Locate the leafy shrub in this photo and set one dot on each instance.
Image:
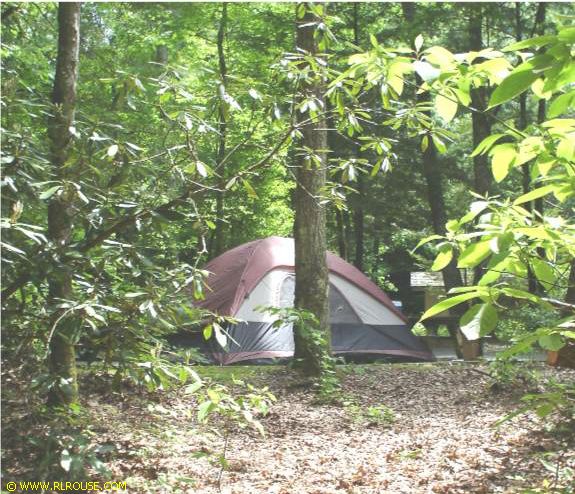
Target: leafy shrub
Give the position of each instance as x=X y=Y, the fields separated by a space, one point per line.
x=506 y=374
x=377 y=415
x=66 y=448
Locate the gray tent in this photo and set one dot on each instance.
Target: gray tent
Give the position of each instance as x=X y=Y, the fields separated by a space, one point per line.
x=363 y=319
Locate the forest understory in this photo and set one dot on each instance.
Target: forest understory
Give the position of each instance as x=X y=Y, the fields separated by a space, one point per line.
x=434 y=433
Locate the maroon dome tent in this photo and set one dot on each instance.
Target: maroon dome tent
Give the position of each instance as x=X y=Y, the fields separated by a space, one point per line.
x=363 y=319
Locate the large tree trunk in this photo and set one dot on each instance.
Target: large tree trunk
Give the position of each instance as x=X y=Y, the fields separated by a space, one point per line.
x=62 y=358
x=219 y=232
x=311 y=286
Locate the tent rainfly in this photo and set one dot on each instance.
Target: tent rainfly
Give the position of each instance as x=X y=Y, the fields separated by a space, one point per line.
x=363 y=319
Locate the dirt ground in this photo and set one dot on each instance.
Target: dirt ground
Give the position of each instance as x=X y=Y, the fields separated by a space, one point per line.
x=439 y=438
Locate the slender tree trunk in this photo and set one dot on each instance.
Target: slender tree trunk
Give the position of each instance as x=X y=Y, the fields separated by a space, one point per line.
x=62 y=360
x=532 y=284
x=335 y=147
x=359 y=223
x=341 y=240
x=311 y=286
x=161 y=54
x=480 y=122
x=433 y=179
x=541 y=107
x=522 y=117
x=570 y=294
x=219 y=232
x=358 y=213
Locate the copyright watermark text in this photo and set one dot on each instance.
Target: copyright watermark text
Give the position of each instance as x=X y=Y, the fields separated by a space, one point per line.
x=65 y=486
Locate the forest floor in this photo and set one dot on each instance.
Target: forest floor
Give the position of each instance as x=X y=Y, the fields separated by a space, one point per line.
x=438 y=438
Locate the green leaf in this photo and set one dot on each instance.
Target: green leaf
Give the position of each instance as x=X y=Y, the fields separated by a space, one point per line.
x=50 y=192
x=522 y=294
x=439 y=144
x=426 y=71
x=202 y=169
x=443 y=258
x=567 y=35
x=112 y=150
x=134 y=147
x=418 y=42
x=424 y=143
x=534 y=194
x=489 y=277
x=12 y=248
x=512 y=86
x=192 y=388
x=425 y=240
x=134 y=294
x=438 y=55
x=479 y=320
x=552 y=342
x=204 y=409
x=537 y=232
x=249 y=189
x=528 y=43
x=65 y=460
x=475 y=208
x=562 y=104
x=474 y=254
x=255 y=95
x=447 y=304
x=502 y=158
x=566 y=149
x=207 y=332
x=220 y=335
x=486 y=144
x=446 y=106
x=544 y=273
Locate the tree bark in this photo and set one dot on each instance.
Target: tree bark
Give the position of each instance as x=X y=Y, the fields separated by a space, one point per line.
x=62 y=359
x=311 y=286
x=341 y=240
x=161 y=54
x=480 y=121
x=532 y=284
x=433 y=179
x=359 y=223
x=570 y=294
x=539 y=28
x=219 y=232
x=481 y=125
x=358 y=213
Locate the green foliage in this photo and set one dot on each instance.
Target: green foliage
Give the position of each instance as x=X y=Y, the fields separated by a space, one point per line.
x=510 y=240
x=507 y=375
x=558 y=400
x=326 y=383
x=562 y=475
x=140 y=179
x=67 y=449
x=239 y=408
x=380 y=415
